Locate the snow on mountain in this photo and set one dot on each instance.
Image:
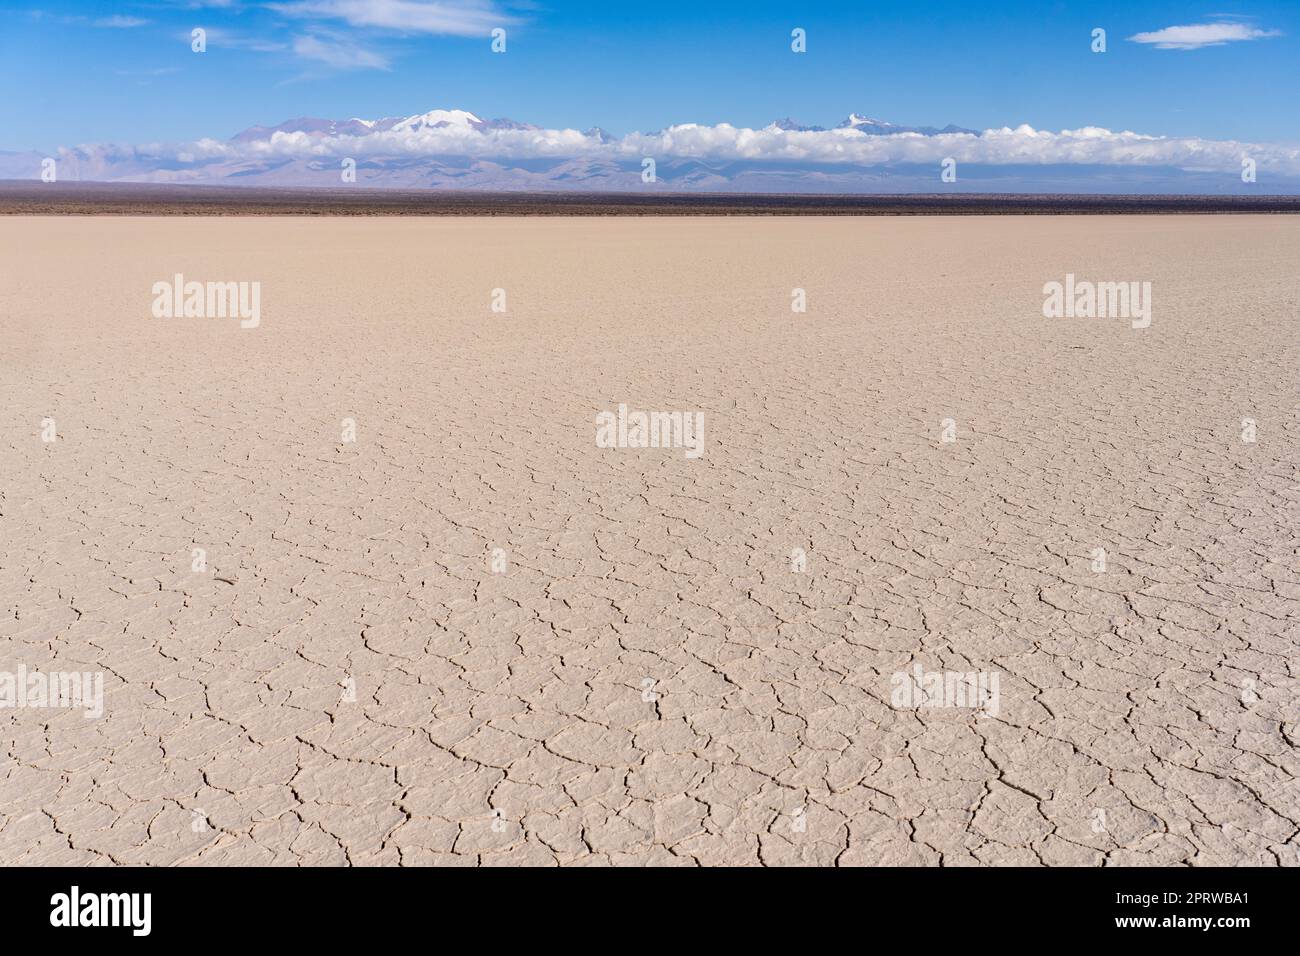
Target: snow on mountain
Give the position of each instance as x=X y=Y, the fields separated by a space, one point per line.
x=866 y=124
x=506 y=124
x=875 y=127
x=788 y=125
x=312 y=127
x=435 y=119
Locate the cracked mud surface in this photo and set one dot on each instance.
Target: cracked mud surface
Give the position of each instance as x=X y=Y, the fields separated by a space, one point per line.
x=649 y=681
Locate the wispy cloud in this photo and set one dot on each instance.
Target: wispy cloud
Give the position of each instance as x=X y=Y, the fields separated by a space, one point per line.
x=340 y=54
x=115 y=22
x=159 y=71
x=1195 y=36
x=119 y=22
x=447 y=17
x=218 y=37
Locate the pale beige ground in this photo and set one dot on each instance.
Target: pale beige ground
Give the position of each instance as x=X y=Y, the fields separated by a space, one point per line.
x=1147 y=714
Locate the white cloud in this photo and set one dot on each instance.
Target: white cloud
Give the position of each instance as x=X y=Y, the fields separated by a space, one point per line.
x=1199 y=35
x=450 y=17
x=339 y=54
x=1024 y=145
x=119 y=22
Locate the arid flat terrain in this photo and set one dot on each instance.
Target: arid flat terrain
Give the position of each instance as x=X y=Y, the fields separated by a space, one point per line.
x=364 y=584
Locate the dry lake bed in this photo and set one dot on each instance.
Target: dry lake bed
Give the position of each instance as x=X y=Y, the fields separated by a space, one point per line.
x=650 y=541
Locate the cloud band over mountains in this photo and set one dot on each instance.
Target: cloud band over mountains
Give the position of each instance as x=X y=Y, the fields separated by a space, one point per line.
x=1006 y=146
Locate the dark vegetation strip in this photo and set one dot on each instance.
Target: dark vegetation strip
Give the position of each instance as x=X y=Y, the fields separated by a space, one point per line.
x=128 y=199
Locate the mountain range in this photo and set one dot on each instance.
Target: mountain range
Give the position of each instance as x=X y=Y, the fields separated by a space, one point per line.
x=462 y=119
x=457 y=149
x=434 y=119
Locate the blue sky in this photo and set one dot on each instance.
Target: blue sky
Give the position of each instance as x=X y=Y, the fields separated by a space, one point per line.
x=124 y=71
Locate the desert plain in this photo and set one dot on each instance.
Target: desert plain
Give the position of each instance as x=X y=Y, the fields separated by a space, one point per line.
x=362 y=587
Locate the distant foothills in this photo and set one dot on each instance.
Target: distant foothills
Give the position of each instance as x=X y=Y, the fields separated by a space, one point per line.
x=456 y=149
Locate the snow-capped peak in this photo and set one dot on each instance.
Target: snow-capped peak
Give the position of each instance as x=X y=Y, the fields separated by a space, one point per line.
x=854 y=121
x=788 y=125
x=874 y=127
x=437 y=118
